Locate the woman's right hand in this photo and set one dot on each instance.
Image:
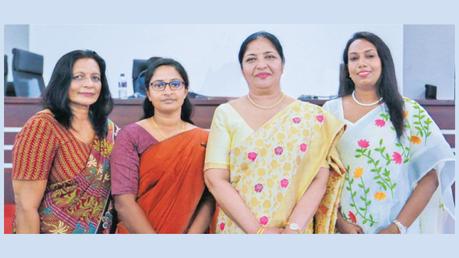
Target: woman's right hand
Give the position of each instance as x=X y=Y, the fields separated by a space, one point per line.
x=132 y=215
x=27 y=196
x=345 y=227
x=230 y=202
x=272 y=230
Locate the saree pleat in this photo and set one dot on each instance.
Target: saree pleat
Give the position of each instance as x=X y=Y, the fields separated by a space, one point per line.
x=171 y=181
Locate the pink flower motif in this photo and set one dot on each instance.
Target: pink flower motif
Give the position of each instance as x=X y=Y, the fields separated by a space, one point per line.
x=303 y=147
x=352 y=217
x=258 y=188
x=264 y=220
x=222 y=226
x=363 y=143
x=278 y=150
x=397 y=157
x=380 y=122
x=296 y=120
x=252 y=156
x=320 y=118
x=284 y=183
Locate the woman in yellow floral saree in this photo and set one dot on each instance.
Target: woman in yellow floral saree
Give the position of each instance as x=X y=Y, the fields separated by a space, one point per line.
x=270 y=162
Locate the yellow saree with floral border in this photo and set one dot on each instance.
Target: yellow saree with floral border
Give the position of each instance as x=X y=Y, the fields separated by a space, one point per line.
x=273 y=166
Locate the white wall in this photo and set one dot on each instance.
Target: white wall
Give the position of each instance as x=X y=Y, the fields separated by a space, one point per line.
x=209 y=52
x=16 y=36
x=429 y=59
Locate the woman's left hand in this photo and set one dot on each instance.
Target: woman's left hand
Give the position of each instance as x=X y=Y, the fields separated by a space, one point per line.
x=391 y=229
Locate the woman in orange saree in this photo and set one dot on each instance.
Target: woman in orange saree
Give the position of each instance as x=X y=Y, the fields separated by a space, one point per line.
x=157 y=177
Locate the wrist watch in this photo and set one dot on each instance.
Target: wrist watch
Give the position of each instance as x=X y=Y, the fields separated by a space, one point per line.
x=400 y=226
x=294 y=227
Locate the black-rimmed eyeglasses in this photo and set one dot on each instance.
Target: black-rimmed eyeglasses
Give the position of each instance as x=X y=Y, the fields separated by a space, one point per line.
x=161 y=85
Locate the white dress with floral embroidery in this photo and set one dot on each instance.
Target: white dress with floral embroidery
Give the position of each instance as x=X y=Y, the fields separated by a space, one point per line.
x=382 y=172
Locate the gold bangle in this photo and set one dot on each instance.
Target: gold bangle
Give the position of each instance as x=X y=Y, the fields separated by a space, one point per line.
x=260 y=230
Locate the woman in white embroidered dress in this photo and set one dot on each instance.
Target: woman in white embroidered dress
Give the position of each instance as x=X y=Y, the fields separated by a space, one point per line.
x=399 y=167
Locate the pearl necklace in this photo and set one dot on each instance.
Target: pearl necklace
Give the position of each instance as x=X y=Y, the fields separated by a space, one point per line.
x=365 y=104
x=266 y=107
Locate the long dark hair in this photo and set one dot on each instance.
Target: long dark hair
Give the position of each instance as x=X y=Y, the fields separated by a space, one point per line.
x=148 y=108
x=56 y=97
x=257 y=35
x=386 y=84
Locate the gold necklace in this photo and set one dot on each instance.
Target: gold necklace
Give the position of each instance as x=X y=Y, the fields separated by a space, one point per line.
x=161 y=133
x=266 y=107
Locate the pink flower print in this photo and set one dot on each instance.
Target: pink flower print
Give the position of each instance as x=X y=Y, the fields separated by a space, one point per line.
x=380 y=122
x=296 y=120
x=222 y=226
x=278 y=150
x=320 y=118
x=252 y=156
x=284 y=183
x=303 y=147
x=258 y=188
x=352 y=217
x=264 y=220
x=363 y=143
x=397 y=157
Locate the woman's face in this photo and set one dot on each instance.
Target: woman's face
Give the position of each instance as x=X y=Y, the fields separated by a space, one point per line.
x=86 y=83
x=261 y=64
x=166 y=90
x=364 y=64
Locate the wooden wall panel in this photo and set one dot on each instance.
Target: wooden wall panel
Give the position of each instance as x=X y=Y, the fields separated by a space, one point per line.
x=8 y=188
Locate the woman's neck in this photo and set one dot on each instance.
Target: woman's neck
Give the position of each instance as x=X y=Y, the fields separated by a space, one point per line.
x=169 y=120
x=265 y=96
x=79 y=113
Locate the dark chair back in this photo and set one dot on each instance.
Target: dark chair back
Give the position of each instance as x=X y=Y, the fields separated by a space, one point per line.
x=138 y=79
x=8 y=86
x=27 y=73
x=5 y=71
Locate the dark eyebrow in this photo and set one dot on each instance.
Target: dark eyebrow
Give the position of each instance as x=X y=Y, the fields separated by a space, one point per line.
x=173 y=79
x=81 y=72
x=366 y=51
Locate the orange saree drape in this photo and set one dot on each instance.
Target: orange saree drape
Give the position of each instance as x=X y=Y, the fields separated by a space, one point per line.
x=171 y=181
